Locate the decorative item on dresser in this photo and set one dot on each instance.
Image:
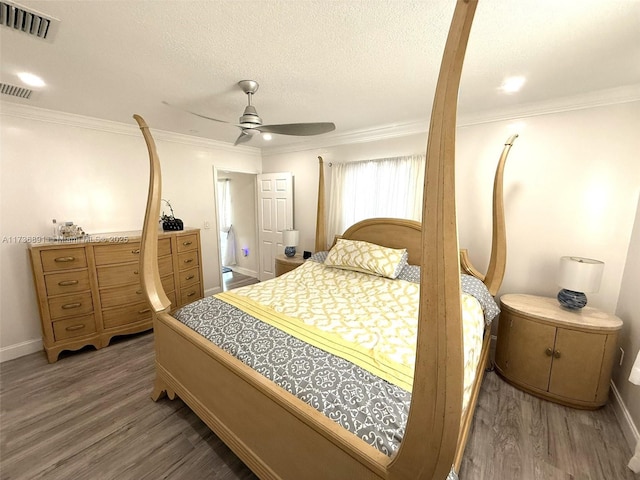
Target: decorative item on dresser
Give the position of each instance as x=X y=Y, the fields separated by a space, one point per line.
x=89 y=292
x=285 y=264
x=561 y=355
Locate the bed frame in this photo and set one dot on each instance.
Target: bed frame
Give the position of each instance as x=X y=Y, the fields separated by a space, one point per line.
x=279 y=436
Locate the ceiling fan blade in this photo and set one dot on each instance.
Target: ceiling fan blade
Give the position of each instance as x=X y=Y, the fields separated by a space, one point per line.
x=243 y=138
x=194 y=113
x=300 y=129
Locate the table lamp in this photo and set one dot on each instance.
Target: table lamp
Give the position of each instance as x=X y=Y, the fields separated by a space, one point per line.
x=576 y=276
x=290 y=239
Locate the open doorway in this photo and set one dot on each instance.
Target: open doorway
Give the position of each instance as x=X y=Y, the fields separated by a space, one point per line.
x=237 y=223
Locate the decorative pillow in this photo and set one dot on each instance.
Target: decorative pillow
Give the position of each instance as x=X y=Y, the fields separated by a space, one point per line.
x=410 y=273
x=367 y=258
x=319 y=257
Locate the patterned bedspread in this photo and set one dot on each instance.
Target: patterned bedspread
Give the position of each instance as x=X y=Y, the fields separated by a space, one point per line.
x=366 y=404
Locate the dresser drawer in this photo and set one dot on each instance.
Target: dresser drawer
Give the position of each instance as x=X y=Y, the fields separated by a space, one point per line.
x=187 y=242
x=63 y=259
x=190 y=294
x=74 y=327
x=126 y=252
x=112 y=275
x=132 y=293
x=127 y=314
x=70 y=305
x=67 y=282
x=189 y=277
x=187 y=260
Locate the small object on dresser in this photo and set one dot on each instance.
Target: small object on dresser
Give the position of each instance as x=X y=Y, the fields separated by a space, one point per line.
x=170 y=222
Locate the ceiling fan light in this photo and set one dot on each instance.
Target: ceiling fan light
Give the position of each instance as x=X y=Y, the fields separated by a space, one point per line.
x=267 y=136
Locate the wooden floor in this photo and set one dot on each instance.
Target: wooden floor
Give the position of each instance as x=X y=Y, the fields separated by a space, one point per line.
x=90 y=416
x=231 y=280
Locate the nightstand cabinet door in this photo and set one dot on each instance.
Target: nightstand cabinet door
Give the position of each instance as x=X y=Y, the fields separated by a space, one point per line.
x=576 y=373
x=523 y=354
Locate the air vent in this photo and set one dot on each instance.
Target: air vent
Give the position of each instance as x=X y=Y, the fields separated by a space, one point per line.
x=14 y=91
x=33 y=23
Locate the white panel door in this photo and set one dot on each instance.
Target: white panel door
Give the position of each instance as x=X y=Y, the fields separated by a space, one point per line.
x=275 y=214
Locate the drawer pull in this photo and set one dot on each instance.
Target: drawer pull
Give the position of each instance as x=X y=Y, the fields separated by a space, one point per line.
x=73 y=328
x=144 y=310
x=548 y=352
x=556 y=354
x=136 y=251
x=189 y=277
x=139 y=292
x=186 y=244
x=188 y=260
x=64 y=259
x=135 y=272
x=191 y=294
x=67 y=283
x=69 y=306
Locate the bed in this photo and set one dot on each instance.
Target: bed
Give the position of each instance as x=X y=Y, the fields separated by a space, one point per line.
x=281 y=436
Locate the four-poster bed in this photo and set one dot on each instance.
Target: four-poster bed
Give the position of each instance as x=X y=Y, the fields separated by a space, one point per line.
x=280 y=436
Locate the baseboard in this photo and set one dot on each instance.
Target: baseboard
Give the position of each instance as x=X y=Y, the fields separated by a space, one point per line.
x=212 y=291
x=20 y=349
x=629 y=428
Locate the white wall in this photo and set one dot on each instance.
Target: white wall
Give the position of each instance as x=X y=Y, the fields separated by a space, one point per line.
x=630 y=336
x=571 y=184
x=94 y=173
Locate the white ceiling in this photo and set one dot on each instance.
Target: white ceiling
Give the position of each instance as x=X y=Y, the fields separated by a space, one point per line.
x=362 y=64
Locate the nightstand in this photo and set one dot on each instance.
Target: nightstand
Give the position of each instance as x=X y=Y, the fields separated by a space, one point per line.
x=561 y=355
x=285 y=264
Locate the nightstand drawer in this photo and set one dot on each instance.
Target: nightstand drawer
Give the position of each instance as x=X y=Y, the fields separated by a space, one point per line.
x=70 y=305
x=67 y=282
x=74 y=327
x=63 y=259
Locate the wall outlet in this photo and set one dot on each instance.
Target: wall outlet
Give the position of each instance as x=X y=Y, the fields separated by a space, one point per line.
x=207 y=225
x=245 y=251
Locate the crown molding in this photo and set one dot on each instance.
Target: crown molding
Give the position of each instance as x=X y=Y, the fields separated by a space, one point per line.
x=613 y=96
x=80 y=121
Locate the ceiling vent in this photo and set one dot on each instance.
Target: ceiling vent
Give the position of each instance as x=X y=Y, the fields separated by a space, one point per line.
x=14 y=91
x=28 y=21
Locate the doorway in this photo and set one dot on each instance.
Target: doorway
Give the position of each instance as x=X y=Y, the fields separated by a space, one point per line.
x=237 y=238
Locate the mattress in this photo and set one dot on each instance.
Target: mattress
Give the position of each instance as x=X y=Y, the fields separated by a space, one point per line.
x=310 y=331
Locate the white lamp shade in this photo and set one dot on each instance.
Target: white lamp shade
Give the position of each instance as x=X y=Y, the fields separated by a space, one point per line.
x=580 y=274
x=290 y=238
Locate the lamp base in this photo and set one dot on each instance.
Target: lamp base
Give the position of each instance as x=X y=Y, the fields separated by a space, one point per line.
x=289 y=251
x=572 y=300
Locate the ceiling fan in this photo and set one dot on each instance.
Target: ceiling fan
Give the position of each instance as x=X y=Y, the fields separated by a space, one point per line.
x=250 y=123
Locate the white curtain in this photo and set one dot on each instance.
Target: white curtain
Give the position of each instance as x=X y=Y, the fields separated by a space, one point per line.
x=387 y=187
x=227 y=235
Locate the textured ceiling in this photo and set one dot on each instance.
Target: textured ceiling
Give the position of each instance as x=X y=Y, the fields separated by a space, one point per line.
x=361 y=64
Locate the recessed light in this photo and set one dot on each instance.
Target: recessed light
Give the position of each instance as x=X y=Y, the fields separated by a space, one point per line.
x=512 y=84
x=267 y=136
x=31 y=79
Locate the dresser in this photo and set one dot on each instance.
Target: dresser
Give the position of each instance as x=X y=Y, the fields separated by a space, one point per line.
x=561 y=355
x=90 y=291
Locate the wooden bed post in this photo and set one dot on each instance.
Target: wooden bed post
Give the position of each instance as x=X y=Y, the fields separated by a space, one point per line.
x=436 y=402
x=150 y=275
x=321 y=236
